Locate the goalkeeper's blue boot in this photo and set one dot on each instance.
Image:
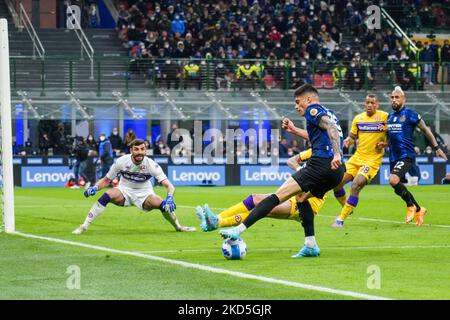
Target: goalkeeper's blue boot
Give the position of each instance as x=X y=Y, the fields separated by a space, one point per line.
x=212 y=221
x=307 y=252
x=201 y=217
x=338 y=223
x=231 y=233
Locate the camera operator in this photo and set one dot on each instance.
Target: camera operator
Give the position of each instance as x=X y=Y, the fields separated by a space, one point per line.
x=80 y=152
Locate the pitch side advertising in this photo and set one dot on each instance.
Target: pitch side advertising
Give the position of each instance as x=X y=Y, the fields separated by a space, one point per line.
x=196 y=175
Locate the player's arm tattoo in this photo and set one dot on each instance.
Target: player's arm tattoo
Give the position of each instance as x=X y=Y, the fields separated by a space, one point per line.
x=427 y=133
x=326 y=124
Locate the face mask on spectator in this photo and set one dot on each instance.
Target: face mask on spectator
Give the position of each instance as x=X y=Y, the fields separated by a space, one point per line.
x=115 y=133
x=278 y=45
x=303 y=63
x=102 y=138
x=352 y=64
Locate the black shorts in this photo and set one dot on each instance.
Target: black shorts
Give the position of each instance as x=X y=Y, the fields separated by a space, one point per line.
x=317 y=176
x=401 y=167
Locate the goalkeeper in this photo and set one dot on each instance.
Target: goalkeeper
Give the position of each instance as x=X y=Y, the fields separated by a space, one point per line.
x=238 y=212
x=134 y=188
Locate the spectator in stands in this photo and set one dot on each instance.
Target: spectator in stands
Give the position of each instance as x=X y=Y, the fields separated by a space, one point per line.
x=160 y=148
x=417 y=80
x=130 y=136
x=312 y=47
x=295 y=146
x=445 y=59
x=284 y=146
x=339 y=75
x=152 y=23
x=173 y=137
x=59 y=141
x=222 y=76
x=105 y=153
x=93 y=16
x=44 y=143
x=168 y=75
x=123 y=17
x=294 y=75
x=305 y=72
x=191 y=74
x=178 y=26
x=404 y=77
x=391 y=40
x=81 y=152
x=91 y=143
x=354 y=76
x=133 y=35
x=446 y=179
x=180 y=52
x=246 y=76
x=164 y=24
x=116 y=142
x=427 y=56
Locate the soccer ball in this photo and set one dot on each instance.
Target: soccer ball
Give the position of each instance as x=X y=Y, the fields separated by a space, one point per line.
x=234 y=249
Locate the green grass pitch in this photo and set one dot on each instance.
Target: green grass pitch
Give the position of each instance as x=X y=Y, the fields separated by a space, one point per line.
x=414 y=263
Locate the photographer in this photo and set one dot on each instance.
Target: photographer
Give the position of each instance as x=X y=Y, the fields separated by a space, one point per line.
x=80 y=152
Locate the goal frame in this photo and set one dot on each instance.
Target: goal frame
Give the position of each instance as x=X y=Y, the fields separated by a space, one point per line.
x=6 y=131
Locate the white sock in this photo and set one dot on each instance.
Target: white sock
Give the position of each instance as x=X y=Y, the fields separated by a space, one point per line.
x=310 y=241
x=241 y=228
x=96 y=210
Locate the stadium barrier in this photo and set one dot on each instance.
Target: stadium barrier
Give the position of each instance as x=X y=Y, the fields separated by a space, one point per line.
x=143 y=74
x=55 y=172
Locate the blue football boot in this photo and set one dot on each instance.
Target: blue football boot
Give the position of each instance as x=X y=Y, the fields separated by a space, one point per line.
x=307 y=252
x=201 y=217
x=212 y=221
x=231 y=233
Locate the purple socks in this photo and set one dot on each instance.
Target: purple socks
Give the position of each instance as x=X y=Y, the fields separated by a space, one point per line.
x=339 y=193
x=352 y=200
x=248 y=203
x=104 y=199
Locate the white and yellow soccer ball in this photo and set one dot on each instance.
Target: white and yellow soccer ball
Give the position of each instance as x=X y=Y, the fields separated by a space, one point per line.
x=234 y=249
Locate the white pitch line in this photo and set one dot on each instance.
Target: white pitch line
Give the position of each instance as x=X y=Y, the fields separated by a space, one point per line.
x=210 y=269
x=193 y=207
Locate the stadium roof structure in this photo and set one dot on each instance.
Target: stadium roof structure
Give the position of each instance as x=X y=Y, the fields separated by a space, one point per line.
x=210 y=105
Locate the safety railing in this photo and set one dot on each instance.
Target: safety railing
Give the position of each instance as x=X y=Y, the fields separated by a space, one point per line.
x=24 y=22
x=86 y=46
x=399 y=32
x=144 y=75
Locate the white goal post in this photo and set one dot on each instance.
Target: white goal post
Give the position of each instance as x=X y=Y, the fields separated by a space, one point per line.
x=6 y=132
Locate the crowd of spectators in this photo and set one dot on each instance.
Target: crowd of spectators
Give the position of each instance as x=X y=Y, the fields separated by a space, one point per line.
x=218 y=44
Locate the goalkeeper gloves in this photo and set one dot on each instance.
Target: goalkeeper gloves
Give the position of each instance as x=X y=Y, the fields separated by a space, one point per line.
x=169 y=204
x=90 y=191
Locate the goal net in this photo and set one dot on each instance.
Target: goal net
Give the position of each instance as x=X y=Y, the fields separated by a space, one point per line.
x=6 y=161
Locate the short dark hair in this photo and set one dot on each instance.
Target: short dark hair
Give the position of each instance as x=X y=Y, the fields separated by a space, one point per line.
x=306 y=88
x=373 y=96
x=136 y=142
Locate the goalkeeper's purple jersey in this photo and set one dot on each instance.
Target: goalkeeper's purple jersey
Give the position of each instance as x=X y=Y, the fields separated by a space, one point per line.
x=136 y=176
